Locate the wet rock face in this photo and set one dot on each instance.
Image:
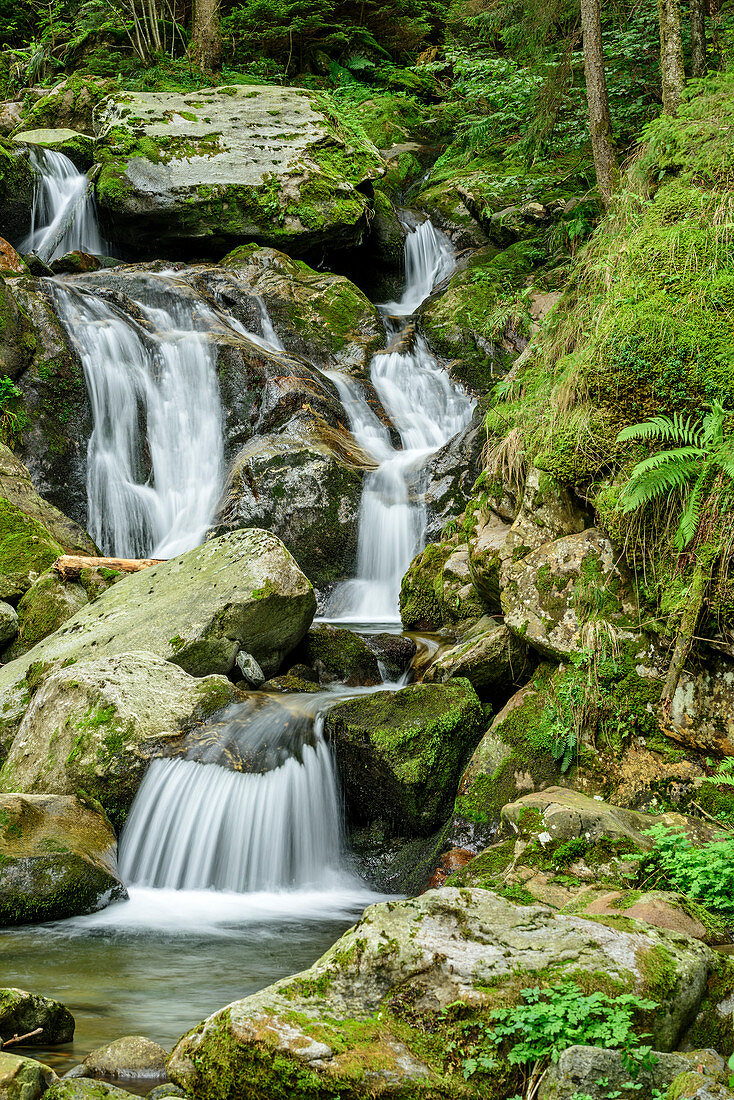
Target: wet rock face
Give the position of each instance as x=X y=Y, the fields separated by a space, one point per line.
x=358 y=1018
x=399 y=752
x=132 y=1057
x=22 y=1013
x=224 y=166
x=58 y=857
x=23 y=1078
x=95 y=726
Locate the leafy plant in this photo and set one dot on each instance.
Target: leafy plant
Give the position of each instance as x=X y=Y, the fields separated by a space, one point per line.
x=702 y=451
x=535 y=1032
x=705 y=873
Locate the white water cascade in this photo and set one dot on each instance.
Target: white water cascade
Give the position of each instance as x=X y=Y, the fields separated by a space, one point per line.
x=427 y=409
x=155 y=455
x=63 y=217
x=196 y=826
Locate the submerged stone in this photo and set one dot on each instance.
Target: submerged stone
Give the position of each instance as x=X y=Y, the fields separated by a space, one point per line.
x=132 y=1056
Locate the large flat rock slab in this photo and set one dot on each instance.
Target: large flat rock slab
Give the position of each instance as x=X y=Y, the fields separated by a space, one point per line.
x=223 y=166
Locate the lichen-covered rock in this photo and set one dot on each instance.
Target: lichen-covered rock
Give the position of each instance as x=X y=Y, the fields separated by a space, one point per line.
x=59 y=859
x=23 y=1078
x=551 y=593
x=240 y=591
x=95 y=725
x=486 y=542
x=702 y=710
x=132 y=1056
x=46 y=606
x=400 y=752
x=79 y=148
x=488 y=655
x=357 y=1022
x=547 y=511
x=321 y=316
x=224 y=166
x=22 y=1012
x=339 y=654
x=581 y=1070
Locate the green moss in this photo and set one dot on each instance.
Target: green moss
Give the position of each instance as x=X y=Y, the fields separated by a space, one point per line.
x=25 y=545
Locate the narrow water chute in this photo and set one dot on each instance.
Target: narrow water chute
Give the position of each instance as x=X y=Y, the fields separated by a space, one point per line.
x=63 y=217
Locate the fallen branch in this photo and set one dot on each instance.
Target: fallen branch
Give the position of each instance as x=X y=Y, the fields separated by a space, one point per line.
x=20 y=1038
x=69 y=567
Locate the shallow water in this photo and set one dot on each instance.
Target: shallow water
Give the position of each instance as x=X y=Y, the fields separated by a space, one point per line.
x=160 y=963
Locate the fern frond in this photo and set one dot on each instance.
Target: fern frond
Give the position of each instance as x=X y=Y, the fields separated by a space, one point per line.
x=645 y=485
x=723 y=459
x=713 y=425
x=691 y=515
x=666 y=429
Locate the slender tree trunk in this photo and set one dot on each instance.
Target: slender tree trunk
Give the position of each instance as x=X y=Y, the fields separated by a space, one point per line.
x=671 y=54
x=698 y=37
x=686 y=632
x=600 y=122
x=206 y=35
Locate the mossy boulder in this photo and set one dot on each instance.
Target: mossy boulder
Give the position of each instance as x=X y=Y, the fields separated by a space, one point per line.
x=132 y=1056
x=93 y=726
x=486 y=542
x=321 y=316
x=70 y=104
x=546 y=511
x=16 y=337
x=438 y=590
x=372 y=1016
x=220 y=167
x=8 y=623
x=450 y=476
x=79 y=148
x=400 y=752
x=550 y=595
x=488 y=655
x=17 y=188
x=46 y=606
x=339 y=654
x=23 y=1078
x=86 y=1088
x=22 y=1012
x=239 y=591
x=581 y=1070
x=58 y=857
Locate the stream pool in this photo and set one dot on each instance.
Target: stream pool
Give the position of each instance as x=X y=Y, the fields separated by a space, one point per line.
x=160 y=963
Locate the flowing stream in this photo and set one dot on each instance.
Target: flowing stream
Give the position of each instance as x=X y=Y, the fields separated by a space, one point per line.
x=63 y=217
x=234 y=852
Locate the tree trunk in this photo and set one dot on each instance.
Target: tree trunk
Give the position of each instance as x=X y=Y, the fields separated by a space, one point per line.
x=69 y=566
x=600 y=123
x=206 y=35
x=698 y=37
x=671 y=54
x=686 y=632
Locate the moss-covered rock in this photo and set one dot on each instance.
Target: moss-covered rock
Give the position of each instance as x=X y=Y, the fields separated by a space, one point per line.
x=70 y=104
x=400 y=752
x=23 y=1078
x=93 y=726
x=321 y=316
x=58 y=858
x=16 y=347
x=491 y=658
x=339 y=654
x=47 y=604
x=86 y=1088
x=372 y=1017
x=17 y=188
x=79 y=148
x=8 y=623
x=581 y=1070
x=22 y=1012
x=223 y=166
x=132 y=1056
x=437 y=590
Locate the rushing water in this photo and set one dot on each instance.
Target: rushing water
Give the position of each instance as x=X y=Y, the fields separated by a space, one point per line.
x=63 y=217
x=427 y=409
x=155 y=455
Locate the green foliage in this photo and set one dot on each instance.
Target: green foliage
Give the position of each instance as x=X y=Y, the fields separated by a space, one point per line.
x=705 y=450
x=13 y=417
x=704 y=873
x=535 y=1032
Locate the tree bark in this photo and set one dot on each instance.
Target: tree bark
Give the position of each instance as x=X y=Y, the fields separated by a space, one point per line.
x=70 y=566
x=206 y=35
x=698 y=37
x=600 y=122
x=671 y=54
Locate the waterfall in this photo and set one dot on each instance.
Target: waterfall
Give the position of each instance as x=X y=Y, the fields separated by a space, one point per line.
x=196 y=825
x=155 y=455
x=63 y=217
x=427 y=409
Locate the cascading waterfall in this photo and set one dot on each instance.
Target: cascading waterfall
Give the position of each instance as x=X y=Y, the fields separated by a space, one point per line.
x=63 y=217
x=427 y=409
x=151 y=389
x=197 y=825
